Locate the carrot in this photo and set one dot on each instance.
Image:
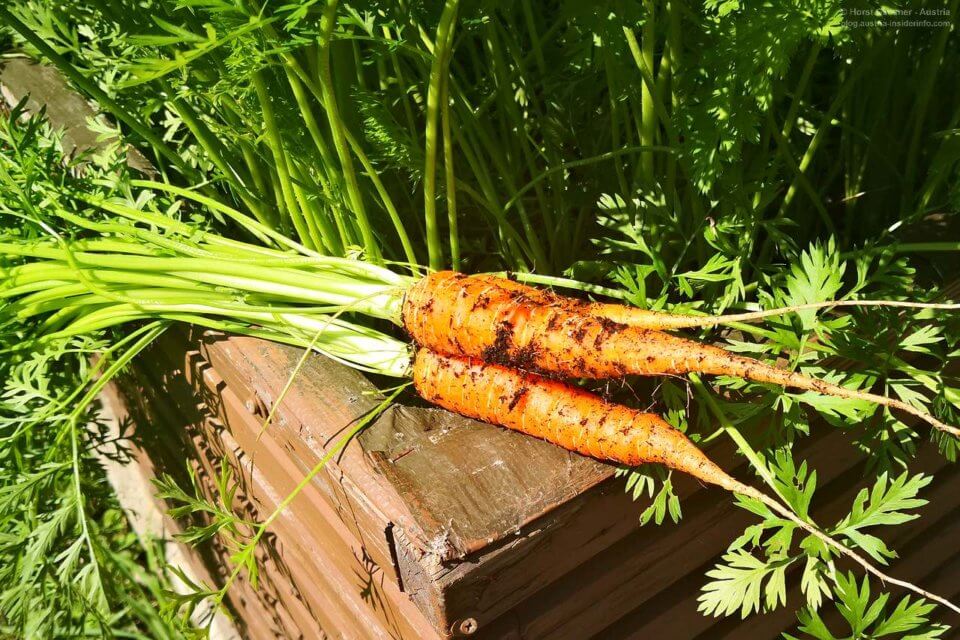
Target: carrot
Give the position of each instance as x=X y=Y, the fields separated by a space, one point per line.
x=557 y=412
x=459 y=315
x=663 y=320
x=583 y=422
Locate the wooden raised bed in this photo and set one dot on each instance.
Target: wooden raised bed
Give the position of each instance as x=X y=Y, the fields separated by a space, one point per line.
x=433 y=526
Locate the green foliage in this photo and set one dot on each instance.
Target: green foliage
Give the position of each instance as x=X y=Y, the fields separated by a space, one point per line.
x=743 y=103
x=653 y=482
x=221 y=519
x=870 y=618
x=884 y=505
x=741 y=582
x=69 y=562
x=751 y=575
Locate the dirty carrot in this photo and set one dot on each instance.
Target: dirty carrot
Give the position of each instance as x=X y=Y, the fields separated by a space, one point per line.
x=563 y=414
x=665 y=320
x=582 y=422
x=459 y=315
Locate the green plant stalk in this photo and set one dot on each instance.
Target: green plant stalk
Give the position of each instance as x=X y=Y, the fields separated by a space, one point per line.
x=649 y=82
x=290 y=205
x=581 y=163
x=313 y=215
x=791 y=117
x=934 y=62
x=371 y=299
x=759 y=466
x=251 y=225
x=249 y=252
x=259 y=182
x=78 y=288
x=648 y=130
x=168 y=223
x=531 y=233
x=327 y=24
x=615 y=142
x=669 y=68
x=241 y=558
x=412 y=127
x=935 y=179
x=783 y=149
x=513 y=244
x=298 y=79
x=385 y=198
x=525 y=148
x=113 y=253
x=559 y=235
x=217 y=154
x=354 y=345
x=448 y=164
x=825 y=124
x=438 y=69
x=812 y=148
x=333 y=238
x=156 y=328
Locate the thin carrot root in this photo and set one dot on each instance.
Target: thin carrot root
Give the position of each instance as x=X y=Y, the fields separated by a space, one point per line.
x=724 y=363
x=454 y=314
x=582 y=422
x=662 y=320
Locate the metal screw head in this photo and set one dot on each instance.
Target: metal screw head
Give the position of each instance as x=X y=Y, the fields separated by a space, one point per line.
x=468 y=626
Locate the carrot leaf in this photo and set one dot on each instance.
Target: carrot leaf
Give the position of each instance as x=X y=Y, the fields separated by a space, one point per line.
x=867 y=617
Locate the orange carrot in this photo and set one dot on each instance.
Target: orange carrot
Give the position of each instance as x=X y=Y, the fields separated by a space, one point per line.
x=559 y=413
x=459 y=315
x=582 y=422
x=664 y=320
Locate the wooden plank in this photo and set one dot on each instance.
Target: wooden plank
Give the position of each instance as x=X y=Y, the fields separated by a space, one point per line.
x=457 y=478
x=173 y=426
x=315 y=531
x=616 y=578
x=168 y=436
x=128 y=470
x=473 y=483
x=329 y=398
x=316 y=550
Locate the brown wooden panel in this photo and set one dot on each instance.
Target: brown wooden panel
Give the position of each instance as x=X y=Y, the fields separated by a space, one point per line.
x=324 y=549
x=43 y=86
x=173 y=442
